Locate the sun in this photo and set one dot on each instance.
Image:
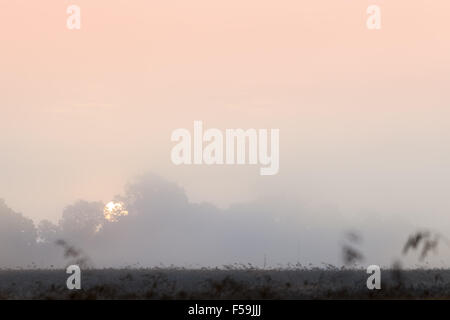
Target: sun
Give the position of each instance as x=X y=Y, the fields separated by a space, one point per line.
x=114 y=210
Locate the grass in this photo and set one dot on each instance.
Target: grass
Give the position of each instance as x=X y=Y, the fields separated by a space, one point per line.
x=244 y=283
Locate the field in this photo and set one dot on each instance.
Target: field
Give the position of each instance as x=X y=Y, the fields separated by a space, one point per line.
x=237 y=283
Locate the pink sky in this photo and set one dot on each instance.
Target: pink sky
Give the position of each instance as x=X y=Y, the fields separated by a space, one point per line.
x=363 y=114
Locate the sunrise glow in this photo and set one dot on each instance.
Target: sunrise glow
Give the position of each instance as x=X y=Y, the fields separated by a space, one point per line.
x=114 y=210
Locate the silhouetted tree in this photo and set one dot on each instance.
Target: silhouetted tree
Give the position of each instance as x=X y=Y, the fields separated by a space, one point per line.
x=48 y=232
x=17 y=237
x=80 y=221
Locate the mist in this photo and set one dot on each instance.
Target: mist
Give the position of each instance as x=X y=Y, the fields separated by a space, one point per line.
x=362 y=119
x=163 y=228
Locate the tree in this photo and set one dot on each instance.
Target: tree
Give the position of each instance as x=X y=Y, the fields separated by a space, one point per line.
x=48 y=232
x=17 y=237
x=80 y=221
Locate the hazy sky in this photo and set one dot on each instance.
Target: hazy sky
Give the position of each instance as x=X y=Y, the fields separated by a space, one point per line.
x=363 y=115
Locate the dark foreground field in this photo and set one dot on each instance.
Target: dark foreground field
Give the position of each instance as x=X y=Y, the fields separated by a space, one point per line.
x=224 y=284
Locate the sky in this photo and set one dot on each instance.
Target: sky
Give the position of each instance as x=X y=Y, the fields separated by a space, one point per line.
x=363 y=114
